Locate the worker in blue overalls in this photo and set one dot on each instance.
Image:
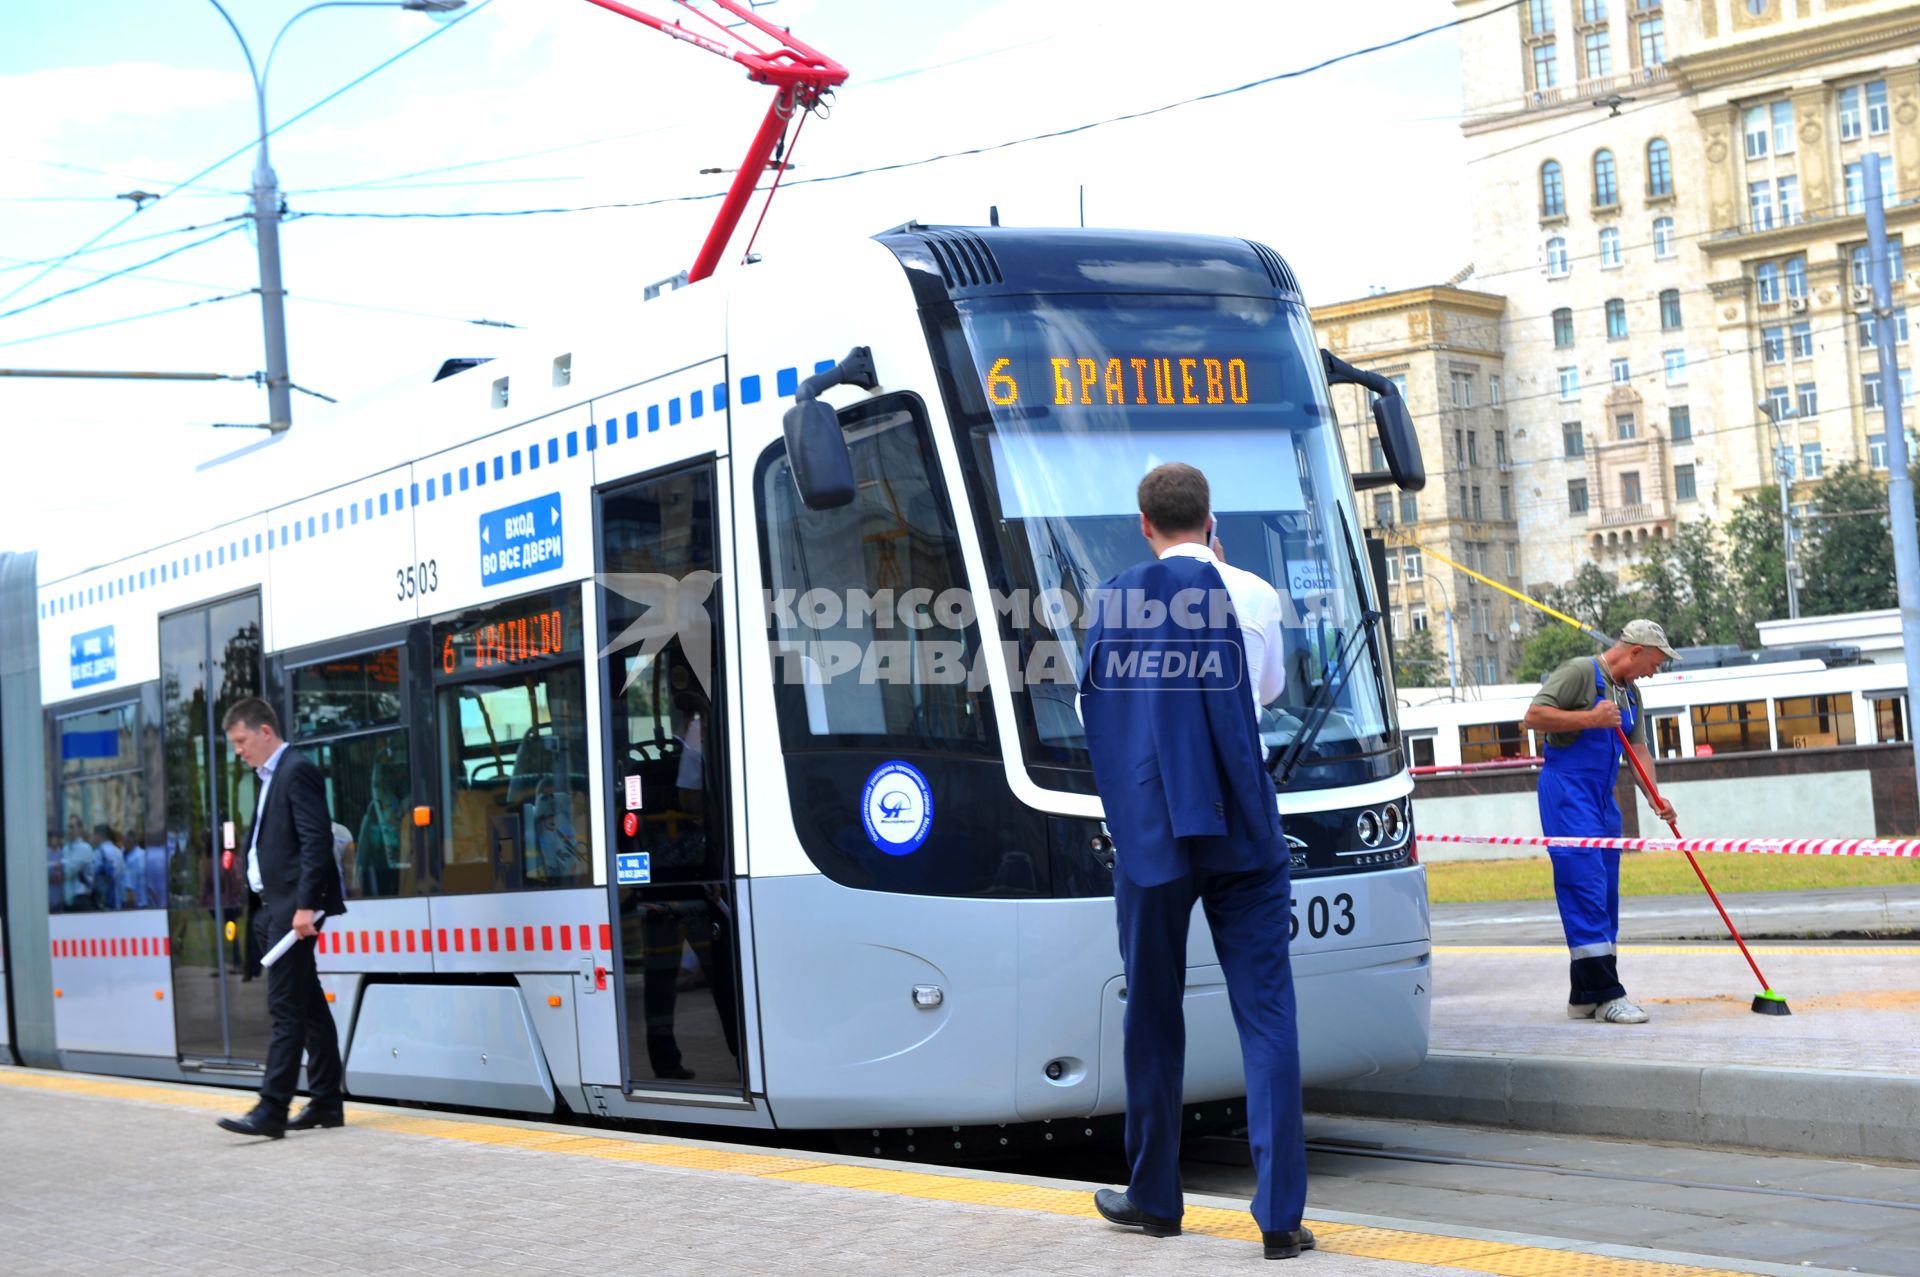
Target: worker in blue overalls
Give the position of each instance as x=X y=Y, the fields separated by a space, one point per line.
x=1578 y=707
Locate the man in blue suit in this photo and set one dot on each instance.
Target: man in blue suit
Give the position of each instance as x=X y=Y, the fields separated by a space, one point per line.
x=1176 y=753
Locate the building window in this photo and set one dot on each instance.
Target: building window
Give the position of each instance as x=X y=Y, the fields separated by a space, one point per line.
x=1766 y=283
x=1870 y=392
x=1576 y=496
x=1756 y=130
x=1376 y=455
x=1802 y=340
x=1546 y=68
x=1869 y=334
x=1782 y=115
x=1540 y=17
x=1670 y=308
x=1810 y=460
x=1417 y=619
x=1411 y=568
x=1393 y=569
x=1663 y=237
x=1553 y=190
x=1676 y=366
x=1461 y=386
x=1493 y=390
x=1877 y=107
x=1478 y=511
x=1569 y=384
x=1683 y=489
x=1624 y=426
x=1773 y=345
x=1572 y=442
x=1780 y=400
x=1850 y=113
x=1513 y=560
x=1621 y=372
x=1599 y=54
x=1630 y=488
x=1562 y=328
x=1653 y=42
x=1862 y=261
x=1807 y=399
x=1659 y=168
x=1592 y=11
x=1797 y=277
x=1616 y=318
x=1382 y=510
x=1877 y=450
x=1760 y=206
x=1500 y=446
x=1473 y=447
x=1680 y=423
x=1856 y=182
x=1610 y=247
x=1506 y=506
x=1409 y=508
x=1557 y=257
x=1606 y=182
x=1788 y=189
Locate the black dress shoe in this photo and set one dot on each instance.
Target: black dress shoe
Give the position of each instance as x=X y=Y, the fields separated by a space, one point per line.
x=1285 y=1243
x=262 y=1120
x=318 y=1115
x=1117 y=1208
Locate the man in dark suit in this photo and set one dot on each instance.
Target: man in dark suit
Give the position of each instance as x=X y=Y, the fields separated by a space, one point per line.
x=290 y=867
x=1177 y=757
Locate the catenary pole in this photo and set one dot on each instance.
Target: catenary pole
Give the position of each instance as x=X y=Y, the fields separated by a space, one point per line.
x=1906 y=537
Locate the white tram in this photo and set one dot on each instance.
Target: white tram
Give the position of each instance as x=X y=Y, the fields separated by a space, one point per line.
x=662 y=792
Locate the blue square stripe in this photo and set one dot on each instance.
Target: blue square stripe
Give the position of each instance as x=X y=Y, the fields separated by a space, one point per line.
x=750 y=389
x=786 y=381
x=633 y=422
x=697 y=404
x=720 y=397
x=573 y=443
x=673 y=411
x=553 y=449
x=653 y=417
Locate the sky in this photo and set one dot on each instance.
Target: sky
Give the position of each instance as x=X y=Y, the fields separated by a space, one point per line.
x=1354 y=173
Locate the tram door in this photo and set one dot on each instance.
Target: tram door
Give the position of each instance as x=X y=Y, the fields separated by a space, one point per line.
x=672 y=870
x=209 y=659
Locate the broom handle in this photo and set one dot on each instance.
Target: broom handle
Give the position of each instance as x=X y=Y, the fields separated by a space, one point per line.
x=1646 y=781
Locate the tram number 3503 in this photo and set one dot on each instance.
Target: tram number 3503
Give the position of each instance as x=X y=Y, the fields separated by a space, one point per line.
x=1324 y=917
x=415 y=579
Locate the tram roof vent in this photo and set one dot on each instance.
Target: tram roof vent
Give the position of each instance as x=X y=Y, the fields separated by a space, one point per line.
x=965 y=260
x=1277 y=269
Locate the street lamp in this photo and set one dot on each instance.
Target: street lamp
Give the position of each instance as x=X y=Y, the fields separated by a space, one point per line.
x=266 y=201
x=1783 y=470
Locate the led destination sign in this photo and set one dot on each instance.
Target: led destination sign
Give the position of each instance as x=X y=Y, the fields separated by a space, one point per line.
x=1120 y=380
x=509 y=634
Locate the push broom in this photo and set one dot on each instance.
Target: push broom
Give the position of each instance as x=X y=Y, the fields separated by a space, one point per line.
x=1765 y=1002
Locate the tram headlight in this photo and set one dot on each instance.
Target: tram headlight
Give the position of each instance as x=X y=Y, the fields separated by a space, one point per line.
x=1393 y=823
x=1368 y=829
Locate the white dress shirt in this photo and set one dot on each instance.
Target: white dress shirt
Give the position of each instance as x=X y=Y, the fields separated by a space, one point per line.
x=265 y=772
x=1257 y=604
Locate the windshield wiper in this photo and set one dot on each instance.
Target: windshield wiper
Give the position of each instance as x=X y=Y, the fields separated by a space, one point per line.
x=1373 y=643
x=1320 y=708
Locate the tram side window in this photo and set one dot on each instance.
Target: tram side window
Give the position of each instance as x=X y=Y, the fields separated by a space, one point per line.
x=1814 y=722
x=1666 y=736
x=1739 y=727
x=1486 y=742
x=513 y=746
x=347 y=717
x=100 y=854
x=1889 y=717
x=1420 y=749
x=842 y=678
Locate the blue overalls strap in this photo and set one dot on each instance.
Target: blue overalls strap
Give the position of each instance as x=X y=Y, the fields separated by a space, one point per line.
x=1629 y=710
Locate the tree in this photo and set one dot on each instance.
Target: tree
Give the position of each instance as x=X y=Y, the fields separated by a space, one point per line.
x=1757 y=569
x=1415 y=661
x=1684 y=584
x=1550 y=646
x=1847 y=551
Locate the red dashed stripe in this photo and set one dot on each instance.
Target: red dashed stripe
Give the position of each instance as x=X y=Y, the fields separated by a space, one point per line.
x=562 y=937
x=112 y=947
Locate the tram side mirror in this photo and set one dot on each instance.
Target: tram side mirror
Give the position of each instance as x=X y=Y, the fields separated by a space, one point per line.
x=817 y=454
x=1392 y=423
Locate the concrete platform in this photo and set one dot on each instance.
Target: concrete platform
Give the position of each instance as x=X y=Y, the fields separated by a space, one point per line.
x=106 y=1175
x=1840 y=1077
x=1853 y=913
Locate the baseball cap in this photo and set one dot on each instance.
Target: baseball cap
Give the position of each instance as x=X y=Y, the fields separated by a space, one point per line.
x=1647 y=634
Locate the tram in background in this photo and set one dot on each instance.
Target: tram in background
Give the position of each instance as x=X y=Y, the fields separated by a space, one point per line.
x=1695 y=710
x=639 y=815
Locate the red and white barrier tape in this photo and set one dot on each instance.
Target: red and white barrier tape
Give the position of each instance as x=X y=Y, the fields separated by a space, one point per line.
x=1909 y=847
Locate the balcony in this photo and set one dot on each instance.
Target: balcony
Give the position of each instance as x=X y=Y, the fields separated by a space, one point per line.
x=1622 y=515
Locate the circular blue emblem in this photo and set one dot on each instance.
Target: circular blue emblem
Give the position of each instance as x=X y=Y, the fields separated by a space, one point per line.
x=897 y=808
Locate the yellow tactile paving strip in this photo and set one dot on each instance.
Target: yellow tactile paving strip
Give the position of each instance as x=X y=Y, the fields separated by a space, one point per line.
x=1503 y=1259
x=1705 y=948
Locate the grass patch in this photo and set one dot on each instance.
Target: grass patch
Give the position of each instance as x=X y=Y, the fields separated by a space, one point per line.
x=1666 y=873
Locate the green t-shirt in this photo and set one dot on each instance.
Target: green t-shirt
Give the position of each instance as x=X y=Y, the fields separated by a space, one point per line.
x=1570 y=687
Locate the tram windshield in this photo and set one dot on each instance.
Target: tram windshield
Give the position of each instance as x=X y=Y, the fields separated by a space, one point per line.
x=1083 y=395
